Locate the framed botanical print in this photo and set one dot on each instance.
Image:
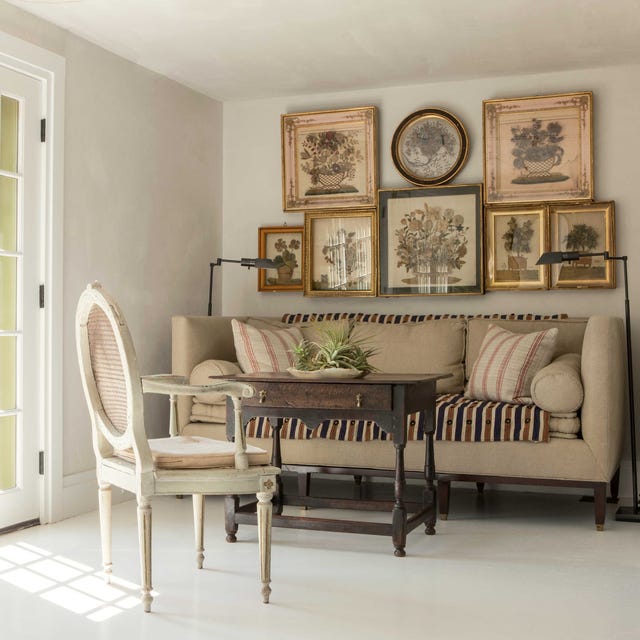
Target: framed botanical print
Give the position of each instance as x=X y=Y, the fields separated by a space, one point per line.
x=329 y=159
x=429 y=147
x=538 y=148
x=284 y=246
x=587 y=228
x=515 y=239
x=431 y=240
x=340 y=253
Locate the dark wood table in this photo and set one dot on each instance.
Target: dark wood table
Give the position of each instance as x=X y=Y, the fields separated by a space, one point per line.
x=386 y=399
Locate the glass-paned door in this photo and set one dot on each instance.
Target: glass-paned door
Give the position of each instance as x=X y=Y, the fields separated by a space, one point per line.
x=20 y=268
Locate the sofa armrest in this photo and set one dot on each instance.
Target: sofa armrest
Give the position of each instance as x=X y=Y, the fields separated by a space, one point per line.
x=193 y=340
x=604 y=379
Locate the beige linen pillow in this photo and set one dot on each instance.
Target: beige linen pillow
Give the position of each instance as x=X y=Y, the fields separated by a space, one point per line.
x=557 y=388
x=264 y=349
x=507 y=363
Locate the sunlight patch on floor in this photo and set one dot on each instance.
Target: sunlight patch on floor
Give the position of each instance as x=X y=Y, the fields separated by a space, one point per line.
x=71 y=585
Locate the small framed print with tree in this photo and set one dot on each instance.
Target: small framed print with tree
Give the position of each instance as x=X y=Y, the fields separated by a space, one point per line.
x=341 y=253
x=329 y=159
x=538 y=148
x=516 y=238
x=587 y=228
x=283 y=245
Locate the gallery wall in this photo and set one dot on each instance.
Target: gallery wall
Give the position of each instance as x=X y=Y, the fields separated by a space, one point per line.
x=252 y=191
x=142 y=195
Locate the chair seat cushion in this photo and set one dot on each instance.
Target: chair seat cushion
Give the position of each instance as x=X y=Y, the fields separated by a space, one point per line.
x=195 y=452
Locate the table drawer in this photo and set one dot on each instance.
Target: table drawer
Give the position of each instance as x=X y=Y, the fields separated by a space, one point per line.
x=321 y=396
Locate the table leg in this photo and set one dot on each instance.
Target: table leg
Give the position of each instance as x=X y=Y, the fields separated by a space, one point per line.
x=276 y=461
x=399 y=512
x=429 y=496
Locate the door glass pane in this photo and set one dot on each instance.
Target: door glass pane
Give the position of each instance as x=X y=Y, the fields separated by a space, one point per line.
x=7 y=452
x=8 y=293
x=8 y=213
x=8 y=134
x=7 y=373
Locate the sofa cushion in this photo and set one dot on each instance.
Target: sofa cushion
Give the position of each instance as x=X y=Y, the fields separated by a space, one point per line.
x=558 y=386
x=507 y=363
x=264 y=349
x=202 y=373
x=564 y=425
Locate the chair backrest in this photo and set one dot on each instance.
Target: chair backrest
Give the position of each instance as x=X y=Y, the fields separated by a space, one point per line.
x=110 y=376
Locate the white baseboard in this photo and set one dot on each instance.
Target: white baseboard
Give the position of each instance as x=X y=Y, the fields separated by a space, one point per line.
x=80 y=494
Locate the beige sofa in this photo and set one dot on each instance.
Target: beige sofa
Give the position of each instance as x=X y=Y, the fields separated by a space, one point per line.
x=202 y=346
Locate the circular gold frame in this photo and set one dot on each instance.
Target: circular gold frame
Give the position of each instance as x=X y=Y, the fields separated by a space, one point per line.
x=429 y=147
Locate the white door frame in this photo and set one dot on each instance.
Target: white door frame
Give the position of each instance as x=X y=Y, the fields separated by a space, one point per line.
x=49 y=69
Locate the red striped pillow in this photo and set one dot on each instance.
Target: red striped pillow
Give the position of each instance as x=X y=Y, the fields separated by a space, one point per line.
x=264 y=349
x=507 y=363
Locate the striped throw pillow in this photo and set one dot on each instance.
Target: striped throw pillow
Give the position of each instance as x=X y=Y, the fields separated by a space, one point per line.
x=264 y=349
x=507 y=363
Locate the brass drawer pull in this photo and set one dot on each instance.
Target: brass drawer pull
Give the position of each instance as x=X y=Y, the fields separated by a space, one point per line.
x=358 y=400
x=262 y=394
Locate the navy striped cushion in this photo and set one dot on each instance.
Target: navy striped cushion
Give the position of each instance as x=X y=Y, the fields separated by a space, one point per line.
x=458 y=419
x=395 y=318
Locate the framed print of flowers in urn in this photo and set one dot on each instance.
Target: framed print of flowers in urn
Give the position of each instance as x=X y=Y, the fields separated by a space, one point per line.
x=340 y=253
x=516 y=238
x=587 y=228
x=429 y=147
x=431 y=240
x=329 y=159
x=538 y=148
x=284 y=246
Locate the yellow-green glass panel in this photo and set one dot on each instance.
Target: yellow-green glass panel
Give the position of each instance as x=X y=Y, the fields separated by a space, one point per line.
x=9 y=114
x=7 y=373
x=8 y=213
x=7 y=452
x=8 y=292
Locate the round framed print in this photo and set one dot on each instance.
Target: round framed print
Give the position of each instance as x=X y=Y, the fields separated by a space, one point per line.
x=429 y=147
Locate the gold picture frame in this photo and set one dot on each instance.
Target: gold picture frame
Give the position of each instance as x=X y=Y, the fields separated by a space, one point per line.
x=285 y=246
x=329 y=159
x=429 y=147
x=431 y=241
x=587 y=228
x=341 y=253
x=538 y=148
x=516 y=237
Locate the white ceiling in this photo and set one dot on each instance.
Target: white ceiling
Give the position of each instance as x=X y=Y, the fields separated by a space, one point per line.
x=245 y=49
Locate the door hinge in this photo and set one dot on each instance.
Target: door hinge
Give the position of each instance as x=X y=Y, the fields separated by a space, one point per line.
x=41 y=463
x=41 y=294
x=43 y=130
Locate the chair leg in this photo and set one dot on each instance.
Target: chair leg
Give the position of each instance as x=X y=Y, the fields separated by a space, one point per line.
x=198 y=523
x=144 y=541
x=104 y=507
x=264 y=509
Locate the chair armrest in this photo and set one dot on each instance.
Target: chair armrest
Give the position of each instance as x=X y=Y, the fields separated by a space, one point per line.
x=169 y=384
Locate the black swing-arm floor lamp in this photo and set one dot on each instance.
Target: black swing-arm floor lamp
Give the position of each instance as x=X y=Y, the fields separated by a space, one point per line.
x=258 y=263
x=632 y=513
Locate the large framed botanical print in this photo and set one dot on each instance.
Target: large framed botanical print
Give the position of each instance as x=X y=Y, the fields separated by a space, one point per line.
x=538 y=148
x=431 y=240
x=329 y=159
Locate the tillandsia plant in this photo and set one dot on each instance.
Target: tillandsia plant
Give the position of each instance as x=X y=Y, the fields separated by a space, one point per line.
x=338 y=350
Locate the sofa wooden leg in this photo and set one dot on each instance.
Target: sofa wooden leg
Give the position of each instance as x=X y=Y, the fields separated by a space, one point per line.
x=231 y=504
x=444 y=492
x=480 y=487
x=600 y=503
x=614 y=485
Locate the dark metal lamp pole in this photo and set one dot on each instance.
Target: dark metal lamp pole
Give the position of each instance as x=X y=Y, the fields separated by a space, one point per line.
x=632 y=513
x=258 y=263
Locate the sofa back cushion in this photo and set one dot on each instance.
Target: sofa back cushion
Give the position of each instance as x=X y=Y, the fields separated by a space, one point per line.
x=433 y=346
x=569 y=340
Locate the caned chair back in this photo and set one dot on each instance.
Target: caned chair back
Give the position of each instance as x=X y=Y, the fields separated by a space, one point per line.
x=110 y=376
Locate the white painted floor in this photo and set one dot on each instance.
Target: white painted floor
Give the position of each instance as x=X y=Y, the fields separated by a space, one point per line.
x=506 y=565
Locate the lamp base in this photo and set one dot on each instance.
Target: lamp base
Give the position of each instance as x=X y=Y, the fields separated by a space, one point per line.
x=628 y=514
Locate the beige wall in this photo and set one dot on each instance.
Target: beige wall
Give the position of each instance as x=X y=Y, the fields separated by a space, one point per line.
x=141 y=204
